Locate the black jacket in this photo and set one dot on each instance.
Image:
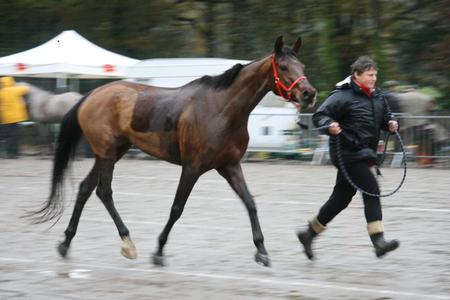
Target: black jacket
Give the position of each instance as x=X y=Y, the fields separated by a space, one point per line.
x=360 y=117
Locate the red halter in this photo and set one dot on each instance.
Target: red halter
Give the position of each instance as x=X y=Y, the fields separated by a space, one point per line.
x=280 y=85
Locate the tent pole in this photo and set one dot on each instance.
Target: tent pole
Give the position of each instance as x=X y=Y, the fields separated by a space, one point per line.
x=61 y=83
x=75 y=85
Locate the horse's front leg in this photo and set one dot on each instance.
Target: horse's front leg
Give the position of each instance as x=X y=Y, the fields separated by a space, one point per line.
x=233 y=174
x=189 y=177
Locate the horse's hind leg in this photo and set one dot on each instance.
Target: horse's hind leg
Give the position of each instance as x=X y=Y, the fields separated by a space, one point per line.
x=187 y=181
x=233 y=174
x=85 y=190
x=104 y=192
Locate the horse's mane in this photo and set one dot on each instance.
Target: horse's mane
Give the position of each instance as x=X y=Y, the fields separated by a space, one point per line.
x=223 y=80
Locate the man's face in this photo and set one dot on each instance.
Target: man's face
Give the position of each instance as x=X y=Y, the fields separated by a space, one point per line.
x=368 y=78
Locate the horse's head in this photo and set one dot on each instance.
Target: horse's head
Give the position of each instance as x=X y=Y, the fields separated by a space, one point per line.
x=289 y=77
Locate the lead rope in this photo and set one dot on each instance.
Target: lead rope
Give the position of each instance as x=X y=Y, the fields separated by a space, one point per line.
x=353 y=184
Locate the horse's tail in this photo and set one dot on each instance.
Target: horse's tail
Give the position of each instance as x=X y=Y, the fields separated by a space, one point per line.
x=69 y=136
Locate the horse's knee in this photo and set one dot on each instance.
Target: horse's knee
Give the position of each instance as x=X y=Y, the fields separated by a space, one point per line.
x=104 y=194
x=176 y=212
x=251 y=207
x=84 y=190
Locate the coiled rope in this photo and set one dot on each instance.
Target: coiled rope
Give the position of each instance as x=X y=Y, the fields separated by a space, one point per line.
x=353 y=184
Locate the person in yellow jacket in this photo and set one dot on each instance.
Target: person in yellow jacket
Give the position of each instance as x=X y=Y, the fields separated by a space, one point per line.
x=12 y=111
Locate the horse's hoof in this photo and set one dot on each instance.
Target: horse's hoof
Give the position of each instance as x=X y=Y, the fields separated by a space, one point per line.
x=158 y=260
x=63 y=249
x=128 y=249
x=262 y=259
x=129 y=253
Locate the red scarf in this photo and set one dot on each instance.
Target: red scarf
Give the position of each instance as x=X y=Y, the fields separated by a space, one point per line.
x=363 y=88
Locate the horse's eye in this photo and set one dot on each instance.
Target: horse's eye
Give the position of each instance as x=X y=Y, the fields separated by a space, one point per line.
x=283 y=68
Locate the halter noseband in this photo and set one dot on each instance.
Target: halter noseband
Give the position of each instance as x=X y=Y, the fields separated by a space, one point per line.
x=280 y=85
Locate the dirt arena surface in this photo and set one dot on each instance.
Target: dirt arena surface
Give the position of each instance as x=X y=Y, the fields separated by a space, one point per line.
x=210 y=251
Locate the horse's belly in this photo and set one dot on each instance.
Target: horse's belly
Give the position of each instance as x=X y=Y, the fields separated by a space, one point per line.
x=158 y=145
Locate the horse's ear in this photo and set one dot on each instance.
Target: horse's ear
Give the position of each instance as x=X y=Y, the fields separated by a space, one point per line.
x=297 y=45
x=278 y=44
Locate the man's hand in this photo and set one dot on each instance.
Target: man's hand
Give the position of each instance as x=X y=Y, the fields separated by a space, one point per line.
x=334 y=128
x=393 y=126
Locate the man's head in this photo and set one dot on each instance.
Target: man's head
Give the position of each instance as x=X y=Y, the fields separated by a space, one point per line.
x=365 y=70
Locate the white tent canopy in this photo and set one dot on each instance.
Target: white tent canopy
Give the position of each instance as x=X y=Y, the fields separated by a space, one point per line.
x=68 y=55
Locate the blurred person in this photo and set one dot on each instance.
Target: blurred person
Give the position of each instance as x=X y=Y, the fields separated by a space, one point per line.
x=418 y=131
x=415 y=103
x=391 y=93
x=12 y=111
x=357 y=109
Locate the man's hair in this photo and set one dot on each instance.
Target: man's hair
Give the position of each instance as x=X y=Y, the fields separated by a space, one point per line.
x=362 y=64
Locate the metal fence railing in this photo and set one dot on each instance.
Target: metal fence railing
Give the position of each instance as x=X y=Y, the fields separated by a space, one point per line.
x=426 y=139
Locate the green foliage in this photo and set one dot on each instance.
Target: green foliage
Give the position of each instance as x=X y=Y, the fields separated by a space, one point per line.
x=410 y=40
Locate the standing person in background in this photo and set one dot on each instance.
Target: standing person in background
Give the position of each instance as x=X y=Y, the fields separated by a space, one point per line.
x=416 y=125
x=357 y=109
x=12 y=111
x=391 y=93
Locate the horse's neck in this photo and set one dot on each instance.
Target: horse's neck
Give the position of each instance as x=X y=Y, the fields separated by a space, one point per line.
x=250 y=86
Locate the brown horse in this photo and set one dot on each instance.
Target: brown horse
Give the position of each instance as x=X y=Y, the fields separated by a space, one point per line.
x=199 y=126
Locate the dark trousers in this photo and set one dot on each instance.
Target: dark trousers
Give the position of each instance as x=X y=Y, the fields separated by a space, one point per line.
x=343 y=193
x=11 y=135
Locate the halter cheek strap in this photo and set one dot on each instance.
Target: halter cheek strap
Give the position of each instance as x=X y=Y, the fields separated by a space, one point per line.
x=280 y=85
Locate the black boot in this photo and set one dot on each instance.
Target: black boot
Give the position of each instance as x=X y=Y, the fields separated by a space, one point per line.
x=306 y=237
x=381 y=245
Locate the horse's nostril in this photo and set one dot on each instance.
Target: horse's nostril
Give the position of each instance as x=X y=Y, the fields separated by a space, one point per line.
x=305 y=95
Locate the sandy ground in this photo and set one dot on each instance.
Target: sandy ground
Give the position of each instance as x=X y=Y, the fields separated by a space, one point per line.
x=210 y=251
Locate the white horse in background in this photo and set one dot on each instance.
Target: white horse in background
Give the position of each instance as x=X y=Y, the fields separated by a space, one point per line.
x=46 y=107
x=45 y=112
